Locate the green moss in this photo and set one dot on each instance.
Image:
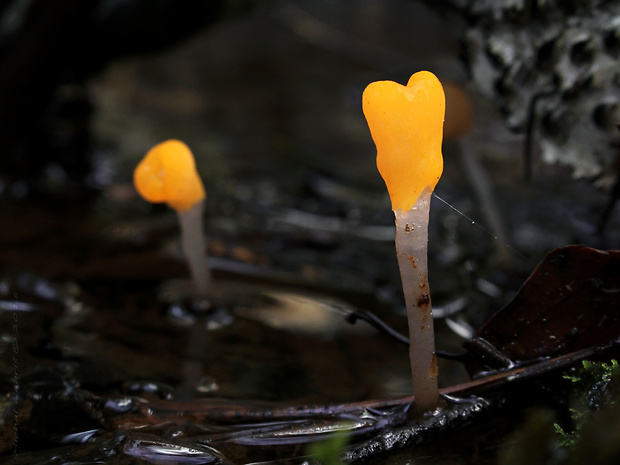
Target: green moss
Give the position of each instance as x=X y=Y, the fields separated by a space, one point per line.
x=594 y=433
x=328 y=452
x=533 y=443
x=594 y=386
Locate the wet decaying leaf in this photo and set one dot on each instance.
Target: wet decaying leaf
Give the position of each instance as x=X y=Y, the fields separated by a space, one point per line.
x=570 y=302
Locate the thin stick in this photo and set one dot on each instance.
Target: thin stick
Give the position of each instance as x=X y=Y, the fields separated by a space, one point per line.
x=411 y=249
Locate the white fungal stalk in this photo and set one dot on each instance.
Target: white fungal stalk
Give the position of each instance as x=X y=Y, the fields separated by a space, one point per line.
x=194 y=243
x=411 y=249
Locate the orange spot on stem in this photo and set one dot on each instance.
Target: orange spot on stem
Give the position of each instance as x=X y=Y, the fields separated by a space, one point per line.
x=433 y=369
x=424 y=299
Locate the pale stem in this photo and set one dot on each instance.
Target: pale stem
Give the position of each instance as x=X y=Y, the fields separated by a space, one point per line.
x=193 y=243
x=411 y=249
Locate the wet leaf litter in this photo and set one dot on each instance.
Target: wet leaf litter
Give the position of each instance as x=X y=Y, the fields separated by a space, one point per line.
x=142 y=422
x=108 y=370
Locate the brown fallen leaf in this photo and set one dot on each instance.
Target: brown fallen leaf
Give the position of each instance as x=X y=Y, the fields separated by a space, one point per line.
x=570 y=302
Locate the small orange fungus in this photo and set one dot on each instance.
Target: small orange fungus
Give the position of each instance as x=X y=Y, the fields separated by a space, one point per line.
x=168 y=174
x=406 y=124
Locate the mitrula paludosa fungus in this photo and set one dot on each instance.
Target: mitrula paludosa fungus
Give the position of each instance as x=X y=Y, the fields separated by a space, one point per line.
x=406 y=124
x=168 y=174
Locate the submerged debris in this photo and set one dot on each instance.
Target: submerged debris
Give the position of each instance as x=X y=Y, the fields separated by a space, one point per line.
x=389 y=439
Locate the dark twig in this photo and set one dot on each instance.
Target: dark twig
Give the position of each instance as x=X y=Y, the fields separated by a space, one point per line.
x=376 y=322
x=529 y=133
x=614 y=194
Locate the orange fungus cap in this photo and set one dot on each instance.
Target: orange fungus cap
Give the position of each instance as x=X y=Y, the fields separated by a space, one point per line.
x=168 y=174
x=406 y=124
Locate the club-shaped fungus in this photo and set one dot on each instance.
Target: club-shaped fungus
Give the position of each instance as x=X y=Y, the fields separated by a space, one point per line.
x=168 y=174
x=406 y=124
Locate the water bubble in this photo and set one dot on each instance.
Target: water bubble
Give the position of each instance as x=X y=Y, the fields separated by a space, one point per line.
x=162 y=390
x=218 y=319
x=122 y=405
x=164 y=453
x=180 y=315
x=207 y=385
